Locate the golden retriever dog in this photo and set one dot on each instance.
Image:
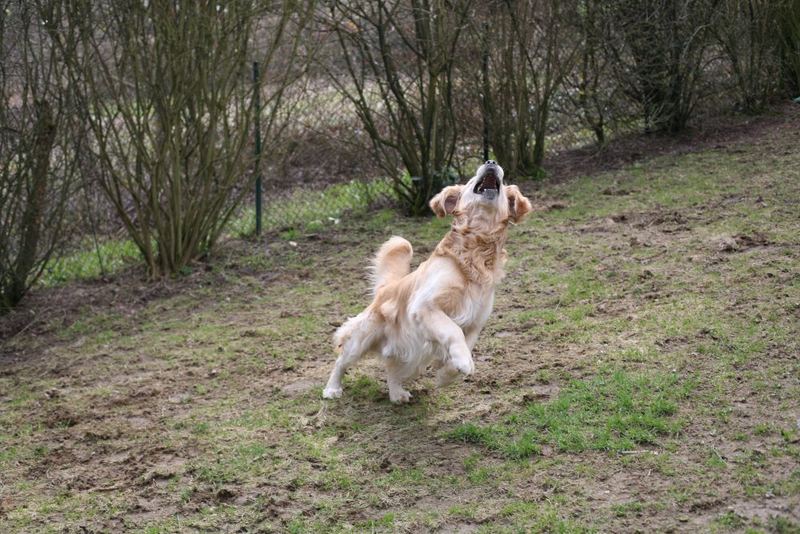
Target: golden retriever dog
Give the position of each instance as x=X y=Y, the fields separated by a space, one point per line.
x=433 y=316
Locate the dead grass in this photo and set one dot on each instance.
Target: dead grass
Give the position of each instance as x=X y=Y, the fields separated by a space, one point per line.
x=195 y=404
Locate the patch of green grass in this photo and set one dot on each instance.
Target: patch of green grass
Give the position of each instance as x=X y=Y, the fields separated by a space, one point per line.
x=71 y=506
x=789 y=487
x=789 y=435
x=627 y=508
x=637 y=354
x=762 y=429
x=463 y=511
x=91 y=262
x=783 y=525
x=164 y=526
x=715 y=460
x=405 y=476
x=233 y=464
x=524 y=516
x=96 y=326
x=730 y=520
x=301 y=526
x=383 y=522
x=615 y=411
x=582 y=284
x=366 y=388
x=476 y=473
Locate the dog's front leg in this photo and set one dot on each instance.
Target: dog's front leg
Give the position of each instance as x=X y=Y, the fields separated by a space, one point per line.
x=440 y=328
x=446 y=374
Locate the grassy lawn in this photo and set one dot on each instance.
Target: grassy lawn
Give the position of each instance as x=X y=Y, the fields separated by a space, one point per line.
x=641 y=371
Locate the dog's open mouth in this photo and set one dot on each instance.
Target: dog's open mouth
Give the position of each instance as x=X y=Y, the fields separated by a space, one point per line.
x=488 y=185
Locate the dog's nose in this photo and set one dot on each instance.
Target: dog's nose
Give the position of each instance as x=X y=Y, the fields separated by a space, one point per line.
x=491 y=162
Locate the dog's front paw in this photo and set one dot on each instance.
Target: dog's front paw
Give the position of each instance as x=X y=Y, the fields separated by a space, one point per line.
x=464 y=365
x=331 y=393
x=399 y=396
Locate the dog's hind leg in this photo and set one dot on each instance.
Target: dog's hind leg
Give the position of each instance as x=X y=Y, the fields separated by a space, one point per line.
x=333 y=389
x=446 y=375
x=396 y=373
x=353 y=340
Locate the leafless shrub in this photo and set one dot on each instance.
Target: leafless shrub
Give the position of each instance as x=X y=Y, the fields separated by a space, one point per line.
x=593 y=97
x=789 y=26
x=37 y=152
x=659 y=50
x=745 y=31
x=397 y=73
x=530 y=55
x=166 y=92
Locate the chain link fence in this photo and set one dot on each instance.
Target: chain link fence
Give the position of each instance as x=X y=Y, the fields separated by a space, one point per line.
x=326 y=174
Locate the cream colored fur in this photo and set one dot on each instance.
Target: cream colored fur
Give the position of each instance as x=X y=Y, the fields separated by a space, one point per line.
x=434 y=315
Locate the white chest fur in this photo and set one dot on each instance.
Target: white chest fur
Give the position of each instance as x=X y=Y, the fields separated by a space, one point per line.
x=476 y=306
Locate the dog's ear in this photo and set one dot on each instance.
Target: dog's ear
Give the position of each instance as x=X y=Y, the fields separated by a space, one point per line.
x=518 y=205
x=446 y=201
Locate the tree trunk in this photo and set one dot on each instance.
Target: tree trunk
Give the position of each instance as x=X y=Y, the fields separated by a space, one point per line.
x=44 y=134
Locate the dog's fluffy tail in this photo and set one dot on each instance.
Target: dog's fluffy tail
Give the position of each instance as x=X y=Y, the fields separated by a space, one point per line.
x=392 y=262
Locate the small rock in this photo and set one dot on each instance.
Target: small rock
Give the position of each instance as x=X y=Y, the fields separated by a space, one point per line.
x=727 y=244
x=179 y=398
x=225 y=495
x=538 y=393
x=636 y=242
x=556 y=205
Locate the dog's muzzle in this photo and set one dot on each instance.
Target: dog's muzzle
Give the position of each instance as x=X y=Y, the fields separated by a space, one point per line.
x=488 y=184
